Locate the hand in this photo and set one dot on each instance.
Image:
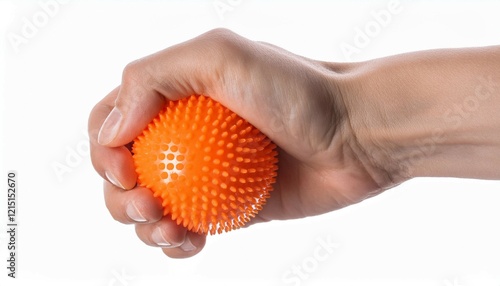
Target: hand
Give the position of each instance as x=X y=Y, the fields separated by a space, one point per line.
x=296 y=101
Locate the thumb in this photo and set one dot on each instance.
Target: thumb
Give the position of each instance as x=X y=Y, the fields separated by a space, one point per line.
x=135 y=106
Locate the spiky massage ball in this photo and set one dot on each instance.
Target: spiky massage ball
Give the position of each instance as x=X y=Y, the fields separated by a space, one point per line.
x=212 y=169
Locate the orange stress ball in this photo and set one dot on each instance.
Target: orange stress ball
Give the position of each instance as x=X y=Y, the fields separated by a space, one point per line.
x=212 y=169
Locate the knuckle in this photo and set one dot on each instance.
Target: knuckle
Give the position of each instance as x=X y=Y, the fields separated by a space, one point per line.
x=222 y=41
x=220 y=33
x=134 y=78
x=131 y=72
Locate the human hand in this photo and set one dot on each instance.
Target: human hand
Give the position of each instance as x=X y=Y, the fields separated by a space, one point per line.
x=297 y=102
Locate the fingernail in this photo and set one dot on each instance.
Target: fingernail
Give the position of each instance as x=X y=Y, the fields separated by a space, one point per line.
x=110 y=127
x=187 y=245
x=159 y=238
x=134 y=213
x=112 y=179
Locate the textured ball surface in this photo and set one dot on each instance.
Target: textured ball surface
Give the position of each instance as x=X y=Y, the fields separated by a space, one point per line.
x=212 y=169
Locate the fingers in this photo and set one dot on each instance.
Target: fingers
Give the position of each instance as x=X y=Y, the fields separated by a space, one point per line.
x=133 y=206
x=138 y=206
x=191 y=246
x=113 y=164
x=175 y=240
x=124 y=113
x=212 y=64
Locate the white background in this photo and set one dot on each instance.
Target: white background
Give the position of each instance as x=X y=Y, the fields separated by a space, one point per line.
x=438 y=231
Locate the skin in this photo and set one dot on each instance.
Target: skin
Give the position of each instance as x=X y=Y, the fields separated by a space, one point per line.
x=345 y=132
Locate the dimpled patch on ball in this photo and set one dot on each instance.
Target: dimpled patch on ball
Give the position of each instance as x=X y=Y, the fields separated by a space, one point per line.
x=212 y=169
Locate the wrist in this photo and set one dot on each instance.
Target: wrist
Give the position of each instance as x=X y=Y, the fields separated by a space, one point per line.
x=361 y=123
x=432 y=113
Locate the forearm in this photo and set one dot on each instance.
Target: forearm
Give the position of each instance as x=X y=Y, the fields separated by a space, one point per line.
x=430 y=113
